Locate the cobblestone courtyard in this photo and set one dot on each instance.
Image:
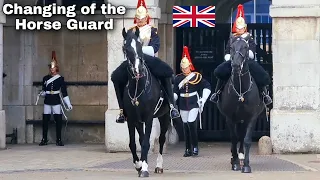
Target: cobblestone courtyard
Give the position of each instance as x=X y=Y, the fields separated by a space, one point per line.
x=92 y=162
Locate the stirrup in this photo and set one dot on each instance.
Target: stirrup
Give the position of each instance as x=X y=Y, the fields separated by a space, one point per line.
x=172 y=109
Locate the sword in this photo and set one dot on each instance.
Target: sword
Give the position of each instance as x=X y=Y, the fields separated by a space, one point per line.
x=200 y=105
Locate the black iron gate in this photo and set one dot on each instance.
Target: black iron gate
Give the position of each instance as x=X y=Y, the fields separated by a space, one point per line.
x=206 y=47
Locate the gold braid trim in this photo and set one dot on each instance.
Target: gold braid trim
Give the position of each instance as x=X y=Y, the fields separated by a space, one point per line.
x=197 y=79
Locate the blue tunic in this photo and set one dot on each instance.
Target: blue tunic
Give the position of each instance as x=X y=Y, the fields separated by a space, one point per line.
x=154 y=40
x=195 y=85
x=57 y=85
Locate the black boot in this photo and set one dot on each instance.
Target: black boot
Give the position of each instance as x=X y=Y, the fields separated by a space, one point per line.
x=45 y=121
x=266 y=98
x=194 y=137
x=167 y=84
x=215 y=96
x=119 y=88
x=186 y=132
x=58 y=119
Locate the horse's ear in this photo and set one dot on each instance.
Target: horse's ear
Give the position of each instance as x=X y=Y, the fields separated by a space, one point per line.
x=124 y=33
x=137 y=32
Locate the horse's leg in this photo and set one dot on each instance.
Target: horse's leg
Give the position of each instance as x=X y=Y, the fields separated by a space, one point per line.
x=132 y=145
x=247 y=144
x=164 y=124
x=145 y=147
x=242 y=132
x=139 y=127
x=235 y=163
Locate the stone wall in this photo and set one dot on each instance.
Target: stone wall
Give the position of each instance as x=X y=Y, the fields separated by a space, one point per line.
x=295 y=122
x=82 y=57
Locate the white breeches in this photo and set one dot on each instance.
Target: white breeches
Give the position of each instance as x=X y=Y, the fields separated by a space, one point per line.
x=49 y=109
x=189 y=116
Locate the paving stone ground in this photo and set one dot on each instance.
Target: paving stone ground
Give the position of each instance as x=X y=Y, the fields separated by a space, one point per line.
x=92 y=162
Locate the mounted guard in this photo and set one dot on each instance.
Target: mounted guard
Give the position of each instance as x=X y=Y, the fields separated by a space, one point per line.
x=223 y=71
x=150 y=40
x=53 y=85
x=187 y=87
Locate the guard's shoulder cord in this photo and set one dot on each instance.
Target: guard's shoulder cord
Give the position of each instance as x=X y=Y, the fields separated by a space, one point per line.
x=197 y=79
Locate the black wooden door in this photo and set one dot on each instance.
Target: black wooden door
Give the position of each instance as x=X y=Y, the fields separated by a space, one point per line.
x=206 y=47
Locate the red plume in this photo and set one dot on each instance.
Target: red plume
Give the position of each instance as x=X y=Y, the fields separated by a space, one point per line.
x=240 y=13
x=142 y=3
x=186 y=53
x=53 y=56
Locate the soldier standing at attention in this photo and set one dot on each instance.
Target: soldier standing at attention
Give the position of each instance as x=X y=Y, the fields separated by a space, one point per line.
x=52 y=85
x=187 y=87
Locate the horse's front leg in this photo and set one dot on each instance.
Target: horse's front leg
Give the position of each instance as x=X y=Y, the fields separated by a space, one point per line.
x=235 y=163
x=242 y=132
x=132 y=145
x=247 y=144
x=145 y=147
x=164 y=124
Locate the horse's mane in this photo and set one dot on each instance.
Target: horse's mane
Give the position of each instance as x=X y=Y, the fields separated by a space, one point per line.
x=153 y=63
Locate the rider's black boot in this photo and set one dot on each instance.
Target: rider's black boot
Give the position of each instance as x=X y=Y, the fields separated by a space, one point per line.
x=58 y=119
x=194 y=137
x=266 y=98
x=186 y=132
x=45 y=121
x=167 y=84
x=119 y=92
x=215 y=96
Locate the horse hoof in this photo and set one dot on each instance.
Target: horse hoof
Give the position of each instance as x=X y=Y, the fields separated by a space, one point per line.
x=139 y=169
x=236 y=167
x=144 y=174
x=246 y=169
x=158 y=170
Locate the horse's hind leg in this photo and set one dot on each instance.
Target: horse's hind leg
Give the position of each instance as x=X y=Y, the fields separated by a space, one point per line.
x=164 y=124
x=235 y=163
x=247 y=144
x=132 y=146
x=145 y=147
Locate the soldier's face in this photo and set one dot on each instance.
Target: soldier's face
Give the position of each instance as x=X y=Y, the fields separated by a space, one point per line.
x=186 y=70
x=141 y=22
x=53 y=70
x=241 y=31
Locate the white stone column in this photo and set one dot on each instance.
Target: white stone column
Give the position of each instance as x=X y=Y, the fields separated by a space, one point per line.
x=2 y=112
x=116 y=134
x=295 y=117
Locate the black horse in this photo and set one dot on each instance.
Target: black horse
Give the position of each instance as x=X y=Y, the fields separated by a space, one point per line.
x=143 y=101
x=240 y=103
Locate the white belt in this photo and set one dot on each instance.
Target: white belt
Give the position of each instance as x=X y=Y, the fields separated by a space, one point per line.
x=188 y=94
x=52 y=92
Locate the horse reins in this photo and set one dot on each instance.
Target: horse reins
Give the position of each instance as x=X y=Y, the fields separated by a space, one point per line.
x=134 y=99
x=240 y=94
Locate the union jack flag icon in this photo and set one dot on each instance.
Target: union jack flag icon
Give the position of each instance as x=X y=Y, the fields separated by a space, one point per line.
x=193 y=16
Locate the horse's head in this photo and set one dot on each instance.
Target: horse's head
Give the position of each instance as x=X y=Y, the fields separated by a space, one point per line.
x=132 y=48
x=239 y=53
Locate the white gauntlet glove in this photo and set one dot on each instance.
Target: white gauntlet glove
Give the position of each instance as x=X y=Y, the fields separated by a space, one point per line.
x=148 y=50
x=67 y=102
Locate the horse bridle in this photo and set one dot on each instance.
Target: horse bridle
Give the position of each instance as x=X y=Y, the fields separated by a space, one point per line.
x=246 y=57
x=137 y=77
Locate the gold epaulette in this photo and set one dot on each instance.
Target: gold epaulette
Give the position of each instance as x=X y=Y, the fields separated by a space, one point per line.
x=197 y=79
